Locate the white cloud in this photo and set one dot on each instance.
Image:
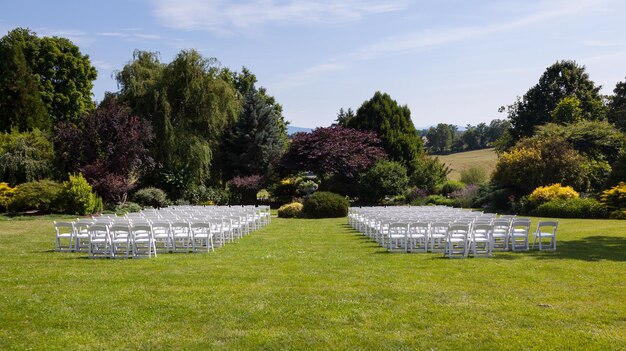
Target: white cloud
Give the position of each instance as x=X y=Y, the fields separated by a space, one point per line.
x=306 y=76
x=131 y=36
x=226 y=17
x=434 y=37
x=428 y=39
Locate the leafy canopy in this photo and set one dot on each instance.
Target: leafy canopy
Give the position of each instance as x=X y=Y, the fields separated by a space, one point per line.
x=62 y=74
x=564 y=79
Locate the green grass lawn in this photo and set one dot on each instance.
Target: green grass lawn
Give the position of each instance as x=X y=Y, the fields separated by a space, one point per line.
x=315 y=284
x=485 y=158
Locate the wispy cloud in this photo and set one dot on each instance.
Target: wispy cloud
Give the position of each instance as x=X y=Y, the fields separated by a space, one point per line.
x=308 y=75
x=78 y=37
x=431 y=38
x=103 y=65
x=227 y=17
x=131 y=36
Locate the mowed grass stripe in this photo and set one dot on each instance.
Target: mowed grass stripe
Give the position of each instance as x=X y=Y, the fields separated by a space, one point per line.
x=315 y=284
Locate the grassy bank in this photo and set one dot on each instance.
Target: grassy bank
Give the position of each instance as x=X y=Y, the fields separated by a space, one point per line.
x=485 y=159
x=315 y=284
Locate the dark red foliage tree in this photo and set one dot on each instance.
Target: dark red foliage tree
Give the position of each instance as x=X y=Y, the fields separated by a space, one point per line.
x=110 y=148
x=336 y=154
x=244 y=189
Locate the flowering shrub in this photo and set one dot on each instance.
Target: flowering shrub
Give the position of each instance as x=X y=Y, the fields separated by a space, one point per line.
x=548 y=193
x=291 y=210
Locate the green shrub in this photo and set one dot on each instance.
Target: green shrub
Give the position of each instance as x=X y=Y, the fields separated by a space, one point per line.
x=43 y=195
x=617 y=214
x=25 y=157
x=78 y=196
x=204 y=195
x=291 y=210
x=439 y=200
x=450 y=186
x=385 y=178
x=152 y=197
x=474 y=175
x=127 y=207
x=324 y=204
x=571 y=208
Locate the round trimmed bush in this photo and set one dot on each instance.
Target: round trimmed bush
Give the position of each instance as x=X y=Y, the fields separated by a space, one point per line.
x=150 y=196
x=291 y=210
x=43 y=195
x=323 y=204
x=451 y=186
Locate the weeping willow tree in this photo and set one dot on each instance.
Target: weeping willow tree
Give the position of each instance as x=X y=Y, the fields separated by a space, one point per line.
x=189 y=105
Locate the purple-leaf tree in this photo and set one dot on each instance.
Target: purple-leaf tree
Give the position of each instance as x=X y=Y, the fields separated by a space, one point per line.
x=337 y=154
x=110 y=149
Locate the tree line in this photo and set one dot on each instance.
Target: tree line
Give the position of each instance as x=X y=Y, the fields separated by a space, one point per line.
x=199 y=132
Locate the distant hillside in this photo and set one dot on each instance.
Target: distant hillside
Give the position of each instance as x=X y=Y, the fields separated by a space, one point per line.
x=293 y=130
x=485 y=158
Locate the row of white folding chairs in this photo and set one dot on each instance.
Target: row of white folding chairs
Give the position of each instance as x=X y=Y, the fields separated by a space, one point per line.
x=435 y=235
x=106 y=239
x=106 y=236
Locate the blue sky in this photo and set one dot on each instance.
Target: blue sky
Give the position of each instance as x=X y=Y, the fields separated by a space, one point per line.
x=450 y=61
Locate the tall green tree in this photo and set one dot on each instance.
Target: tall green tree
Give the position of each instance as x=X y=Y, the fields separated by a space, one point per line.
x=63 y=74
x=441 y=138
x=21 y=106
x=617 y=106
x=256 y=142
x=394 y=126
x=562 y=79
x=189 y=104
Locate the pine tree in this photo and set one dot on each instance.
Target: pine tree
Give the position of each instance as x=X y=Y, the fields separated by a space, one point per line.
x=256 y=142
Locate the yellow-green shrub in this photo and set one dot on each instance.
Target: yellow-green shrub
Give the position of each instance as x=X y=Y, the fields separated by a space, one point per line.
x=6 y=193
x=615 y=198
x=548 y=193
x=291 y=210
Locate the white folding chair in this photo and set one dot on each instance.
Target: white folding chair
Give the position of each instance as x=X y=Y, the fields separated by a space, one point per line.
x=397 y=233
x=121 y=243
x=546 y=229
x=81 y=234
x=500 y=234
x=457 y=240
x=202 y=234
x=418 y=236
x=481 y=240
x=162 y=233
x=143 y=242
x=438 y=235
x=65 y=235
x=99 y=240
x=181 y=236
x=518 y=234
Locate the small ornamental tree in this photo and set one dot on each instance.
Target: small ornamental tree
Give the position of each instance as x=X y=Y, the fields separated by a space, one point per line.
x=110 y=149
x=244 y=189
x=336 y=154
